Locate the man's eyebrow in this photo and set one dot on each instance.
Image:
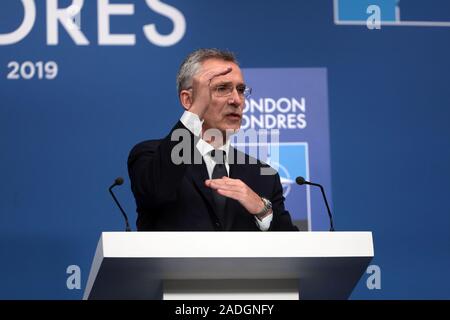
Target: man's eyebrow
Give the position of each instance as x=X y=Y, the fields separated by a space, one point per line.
x=221 y=83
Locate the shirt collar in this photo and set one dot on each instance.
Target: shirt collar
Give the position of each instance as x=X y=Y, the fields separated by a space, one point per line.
x=204 y=147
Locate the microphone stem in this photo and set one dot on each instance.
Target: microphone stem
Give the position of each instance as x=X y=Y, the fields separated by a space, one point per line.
x=326 y=203
x=127 y=228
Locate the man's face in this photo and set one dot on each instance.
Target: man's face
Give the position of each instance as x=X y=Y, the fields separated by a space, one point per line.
x=224 y=112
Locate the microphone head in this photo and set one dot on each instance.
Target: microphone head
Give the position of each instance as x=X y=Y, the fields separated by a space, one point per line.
x=300 y=180
x=118 y=181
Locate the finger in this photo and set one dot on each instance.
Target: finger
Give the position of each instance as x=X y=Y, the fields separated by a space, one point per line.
x=230 y=194
x=214 y=182
x=218 y=180
x=227 y=187
x=217 y=72
x=218 y=183
x=233 y=182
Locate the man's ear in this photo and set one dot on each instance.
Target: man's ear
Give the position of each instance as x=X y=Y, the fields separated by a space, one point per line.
x=186 y=99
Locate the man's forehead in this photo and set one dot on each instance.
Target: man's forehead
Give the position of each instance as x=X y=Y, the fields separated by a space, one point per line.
x=235 y=74
x=211 y=63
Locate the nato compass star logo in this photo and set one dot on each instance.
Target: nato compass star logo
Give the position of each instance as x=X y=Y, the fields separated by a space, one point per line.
x=286 y=180
x=291 y=162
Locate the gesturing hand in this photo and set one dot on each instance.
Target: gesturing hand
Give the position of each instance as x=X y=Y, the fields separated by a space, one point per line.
x=238 y=190
x=201 y=88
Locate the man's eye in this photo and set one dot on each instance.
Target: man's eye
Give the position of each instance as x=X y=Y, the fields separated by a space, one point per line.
x=222 y=88
x=240 y=90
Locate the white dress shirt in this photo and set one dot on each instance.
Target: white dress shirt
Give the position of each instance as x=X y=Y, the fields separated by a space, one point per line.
x=194 y=124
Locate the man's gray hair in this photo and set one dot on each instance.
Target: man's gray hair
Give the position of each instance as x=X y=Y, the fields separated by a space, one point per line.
x=191 y=65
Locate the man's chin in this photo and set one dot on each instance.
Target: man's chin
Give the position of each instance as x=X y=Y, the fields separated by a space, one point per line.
x=232 y=130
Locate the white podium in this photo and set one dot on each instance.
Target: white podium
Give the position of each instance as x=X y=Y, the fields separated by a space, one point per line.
x=228 y=265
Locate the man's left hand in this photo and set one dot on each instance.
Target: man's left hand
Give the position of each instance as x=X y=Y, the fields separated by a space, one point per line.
x=238 y=190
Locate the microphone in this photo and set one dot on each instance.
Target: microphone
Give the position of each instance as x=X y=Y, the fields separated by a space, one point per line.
x=118 y=182
x=301 y=181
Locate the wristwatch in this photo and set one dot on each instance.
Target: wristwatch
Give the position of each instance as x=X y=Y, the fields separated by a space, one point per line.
x=267 y=207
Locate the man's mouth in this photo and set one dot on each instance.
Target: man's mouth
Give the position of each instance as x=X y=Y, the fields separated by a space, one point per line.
x=234 y=116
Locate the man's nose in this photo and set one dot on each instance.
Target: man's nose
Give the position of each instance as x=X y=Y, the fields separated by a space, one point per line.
x=236 y=99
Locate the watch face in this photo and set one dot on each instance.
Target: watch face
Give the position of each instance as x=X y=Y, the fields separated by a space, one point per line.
x=267 y=203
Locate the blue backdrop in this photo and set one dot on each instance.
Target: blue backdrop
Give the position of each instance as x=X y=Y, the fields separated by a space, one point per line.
x=64 y=140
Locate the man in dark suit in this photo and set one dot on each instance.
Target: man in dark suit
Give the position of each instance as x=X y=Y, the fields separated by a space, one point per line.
x=193 y=180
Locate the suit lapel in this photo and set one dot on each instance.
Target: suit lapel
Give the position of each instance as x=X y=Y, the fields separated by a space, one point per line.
x=199 y=174
x=237 y=171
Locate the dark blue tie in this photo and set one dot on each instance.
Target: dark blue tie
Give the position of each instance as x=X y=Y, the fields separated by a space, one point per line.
x=219 y=171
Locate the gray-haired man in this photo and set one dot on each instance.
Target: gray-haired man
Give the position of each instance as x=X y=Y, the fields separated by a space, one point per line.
x=218 y=193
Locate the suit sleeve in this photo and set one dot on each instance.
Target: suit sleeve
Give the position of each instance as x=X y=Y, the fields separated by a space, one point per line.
x=154 y=176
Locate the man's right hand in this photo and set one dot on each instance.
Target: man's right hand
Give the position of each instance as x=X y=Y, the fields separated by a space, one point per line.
x=201 y=89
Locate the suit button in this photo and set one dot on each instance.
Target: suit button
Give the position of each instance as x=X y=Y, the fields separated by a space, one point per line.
x=217 y=224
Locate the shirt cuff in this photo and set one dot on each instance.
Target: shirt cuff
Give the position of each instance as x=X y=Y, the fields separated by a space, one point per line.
x=192 y=122
x=264 y=224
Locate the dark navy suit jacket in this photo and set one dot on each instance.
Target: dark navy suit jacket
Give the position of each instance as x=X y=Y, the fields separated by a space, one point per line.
x=171 y=197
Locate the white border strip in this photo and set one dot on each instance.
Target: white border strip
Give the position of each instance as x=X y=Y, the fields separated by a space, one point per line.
x=399 y=23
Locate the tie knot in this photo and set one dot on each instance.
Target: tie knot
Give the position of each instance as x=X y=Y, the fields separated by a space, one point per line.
x=218 y=156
